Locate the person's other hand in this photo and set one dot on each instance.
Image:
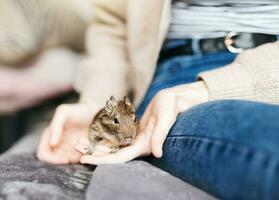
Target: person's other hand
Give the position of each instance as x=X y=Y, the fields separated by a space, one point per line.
x=19 y=90
x=155 y=124
x=70 y=122
x=40 y=80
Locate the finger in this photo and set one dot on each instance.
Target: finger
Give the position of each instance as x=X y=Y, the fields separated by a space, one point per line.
x=150 y=125
x=57 y=126
x=55 y=159
x=43 y=144
x=66 y=150
x=123 y=155
x=46 y=154
x=102 y=149
x=98 y=149
x=161 y=130
x=84 y=141
x=82 y=148
x=70 y=154
x=145 y=117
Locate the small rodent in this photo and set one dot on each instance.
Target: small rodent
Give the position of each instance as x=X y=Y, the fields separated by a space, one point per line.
x=114 y=126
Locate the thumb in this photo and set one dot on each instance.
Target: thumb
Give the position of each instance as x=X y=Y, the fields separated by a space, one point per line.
x=57 y=126
x=163 y=125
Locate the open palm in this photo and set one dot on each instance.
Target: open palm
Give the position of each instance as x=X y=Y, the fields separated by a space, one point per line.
x=70 y=122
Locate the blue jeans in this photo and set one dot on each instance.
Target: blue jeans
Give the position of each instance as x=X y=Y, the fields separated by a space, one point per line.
x=181 y=70
x=228 y=148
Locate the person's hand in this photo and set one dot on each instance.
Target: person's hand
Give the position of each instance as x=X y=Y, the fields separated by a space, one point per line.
x=155 y=124
x=70 y=122
x=40 y=80
x=20 y=90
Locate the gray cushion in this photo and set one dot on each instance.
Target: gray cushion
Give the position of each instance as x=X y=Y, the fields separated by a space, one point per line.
x=22 y=176
x=139 y=180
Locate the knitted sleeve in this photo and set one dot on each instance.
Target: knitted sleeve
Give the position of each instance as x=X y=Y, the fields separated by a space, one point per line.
x=254 y=75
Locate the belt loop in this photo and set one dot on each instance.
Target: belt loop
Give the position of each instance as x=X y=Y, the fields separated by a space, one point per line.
x=196 y=46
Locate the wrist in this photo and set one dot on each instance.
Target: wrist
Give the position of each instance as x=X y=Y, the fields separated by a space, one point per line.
x=189 y=95
x=92 y=106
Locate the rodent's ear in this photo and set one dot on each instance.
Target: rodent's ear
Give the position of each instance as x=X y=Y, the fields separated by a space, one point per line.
x=127 y=101
x=112 y=98
x=110 y=104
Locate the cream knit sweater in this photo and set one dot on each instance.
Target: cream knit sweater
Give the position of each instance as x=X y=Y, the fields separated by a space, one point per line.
x=254 y=75
x=123 y=46
x=29 y=26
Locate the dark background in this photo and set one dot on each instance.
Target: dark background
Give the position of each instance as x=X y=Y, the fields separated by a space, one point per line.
x=14 y=125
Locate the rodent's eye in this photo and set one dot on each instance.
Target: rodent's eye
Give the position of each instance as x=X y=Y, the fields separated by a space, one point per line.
x=115 y=121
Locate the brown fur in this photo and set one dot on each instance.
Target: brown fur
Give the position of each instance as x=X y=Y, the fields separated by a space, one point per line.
x=115 y=125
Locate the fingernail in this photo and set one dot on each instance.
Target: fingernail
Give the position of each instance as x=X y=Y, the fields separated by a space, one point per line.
x=52 y=142
x=159 y=154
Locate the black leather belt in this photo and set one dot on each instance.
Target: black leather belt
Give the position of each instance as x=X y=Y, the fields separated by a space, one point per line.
x=233 y=42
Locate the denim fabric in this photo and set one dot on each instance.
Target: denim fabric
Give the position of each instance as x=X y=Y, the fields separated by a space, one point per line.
x=181 y=70
x=227 y=148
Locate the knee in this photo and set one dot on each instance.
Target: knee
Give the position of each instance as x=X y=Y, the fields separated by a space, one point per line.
x=226 y=115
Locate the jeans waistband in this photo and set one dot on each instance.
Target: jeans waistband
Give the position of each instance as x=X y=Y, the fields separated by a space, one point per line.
x=232 y=42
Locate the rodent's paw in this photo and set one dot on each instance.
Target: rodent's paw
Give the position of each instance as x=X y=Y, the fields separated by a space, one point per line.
x=114 y=149
x=88 y=150
x=101 y=149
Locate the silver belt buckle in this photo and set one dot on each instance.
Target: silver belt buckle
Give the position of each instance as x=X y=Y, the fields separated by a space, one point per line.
x=229 y=42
